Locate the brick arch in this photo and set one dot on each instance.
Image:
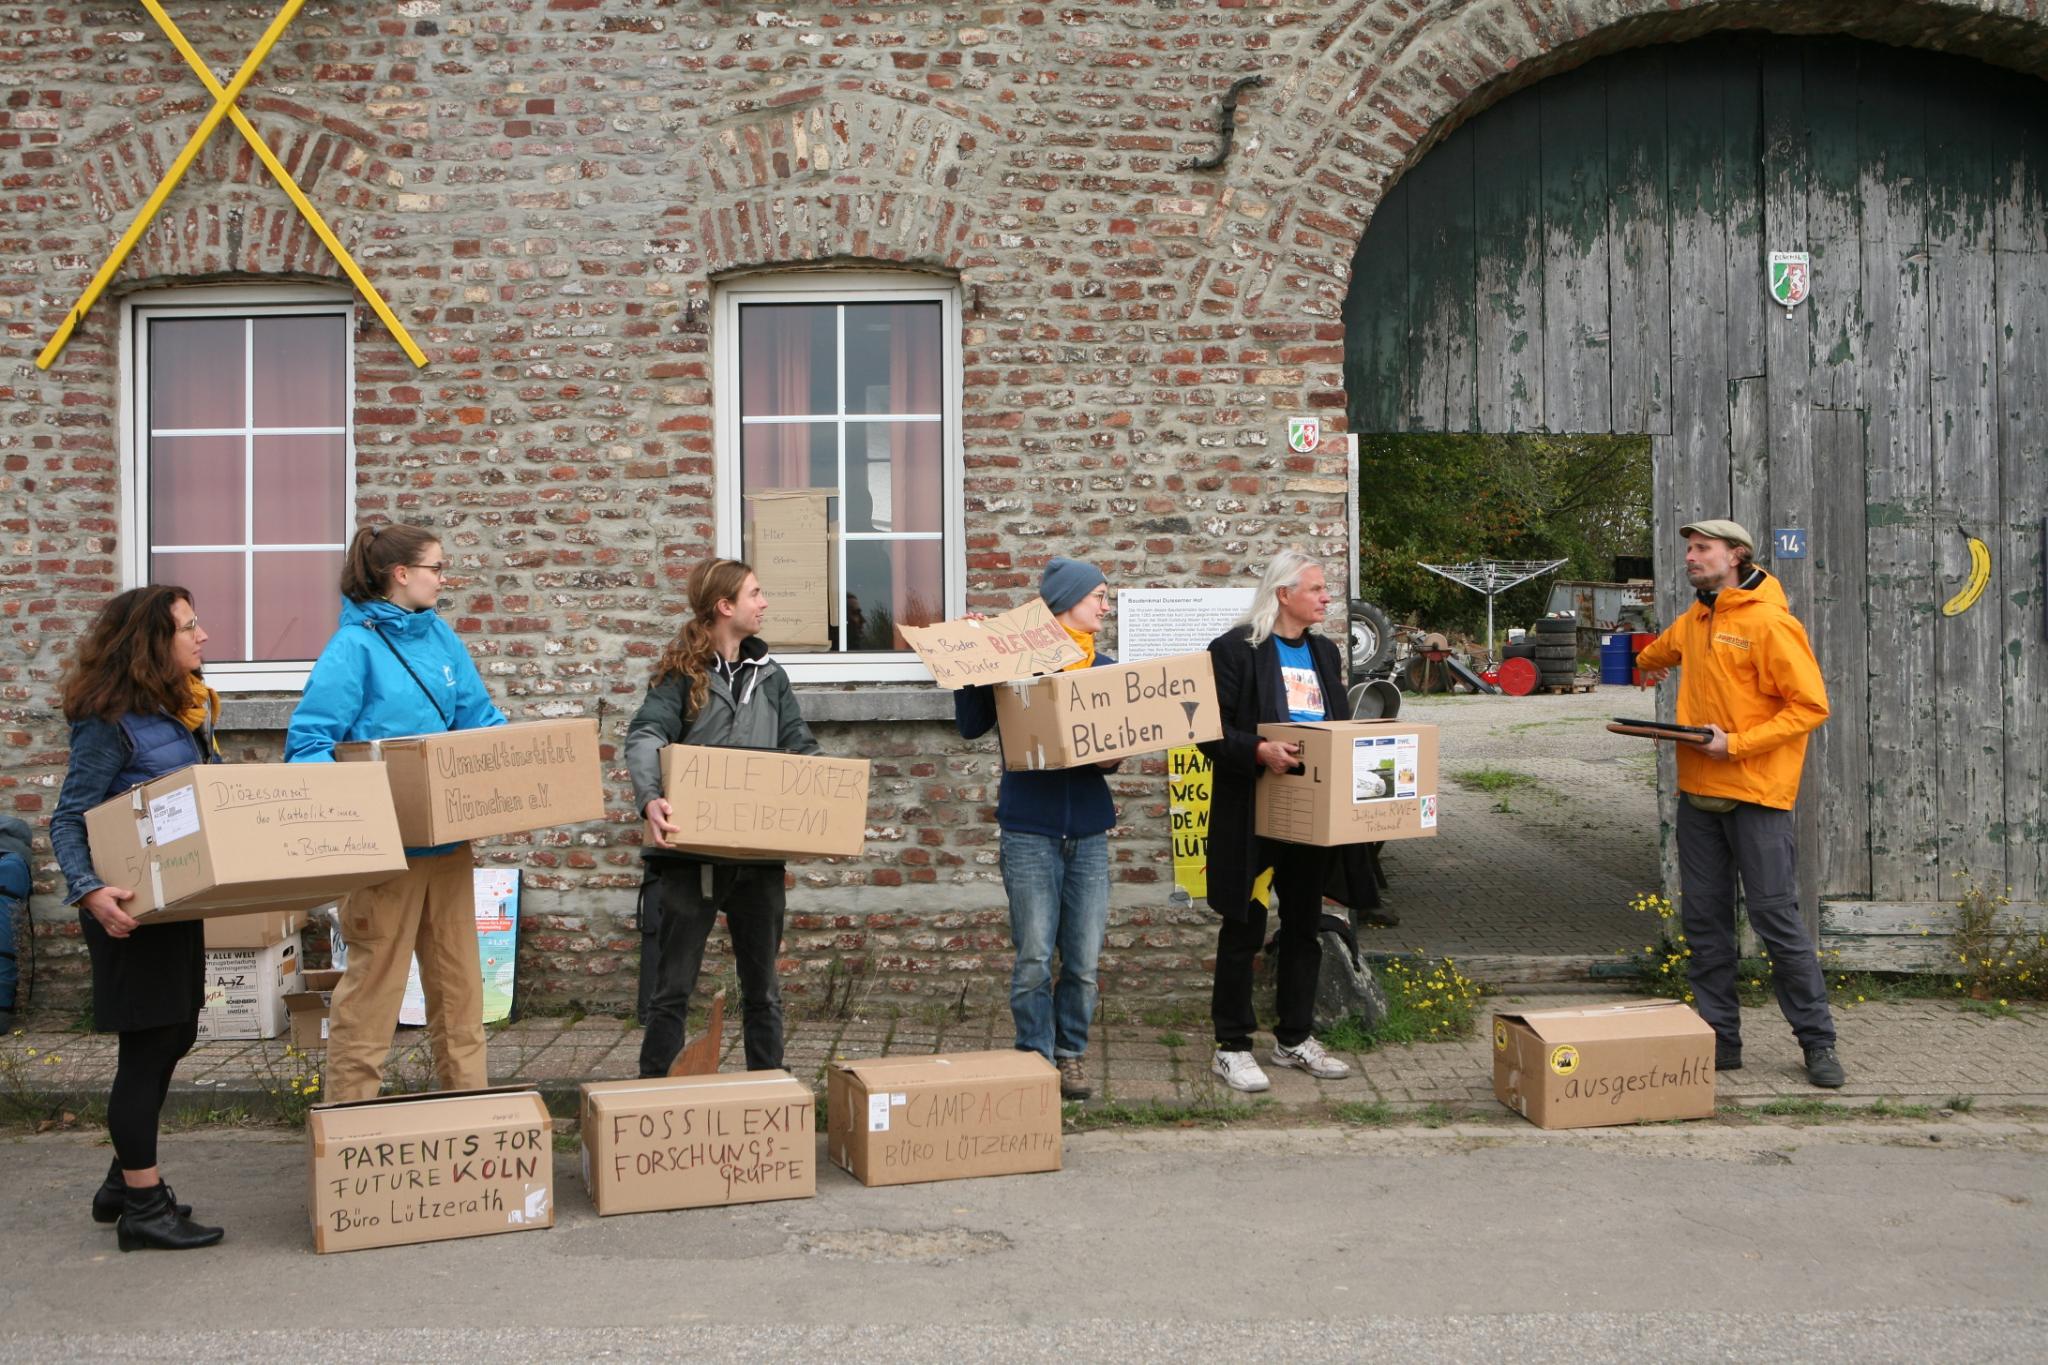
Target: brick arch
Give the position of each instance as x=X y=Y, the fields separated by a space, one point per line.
x=782 y=174
x=227 y=217
x=1444 y=63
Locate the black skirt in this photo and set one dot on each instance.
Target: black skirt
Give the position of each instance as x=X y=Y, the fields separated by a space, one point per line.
x=153 y=977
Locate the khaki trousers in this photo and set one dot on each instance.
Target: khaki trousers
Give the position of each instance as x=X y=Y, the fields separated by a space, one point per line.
x=429 y=910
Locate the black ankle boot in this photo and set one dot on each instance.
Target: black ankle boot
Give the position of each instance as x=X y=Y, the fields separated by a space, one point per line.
x=112 y=1194
x=150 y=1219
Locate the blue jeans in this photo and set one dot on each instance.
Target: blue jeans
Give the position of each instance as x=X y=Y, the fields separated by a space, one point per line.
x=1059 y=898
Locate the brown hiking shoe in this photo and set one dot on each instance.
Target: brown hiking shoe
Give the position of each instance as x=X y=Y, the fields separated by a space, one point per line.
x=1073 y=1079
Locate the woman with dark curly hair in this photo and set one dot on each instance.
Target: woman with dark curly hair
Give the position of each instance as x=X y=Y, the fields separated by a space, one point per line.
x=138 y=709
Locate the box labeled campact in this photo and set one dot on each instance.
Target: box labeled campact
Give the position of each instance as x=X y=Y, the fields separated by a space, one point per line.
x=254 y=930
x=503 y=779
x=1359 y=782
x=1640 y=1061
x=246 y=990
x=763 y=803
x=234 y=839
x=904 y=1120
x=309 y=1008
x=427 y=1168
x=692 y=1142
x=1094 y=715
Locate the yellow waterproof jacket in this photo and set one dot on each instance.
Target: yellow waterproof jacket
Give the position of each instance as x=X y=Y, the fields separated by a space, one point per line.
x=1745 y=665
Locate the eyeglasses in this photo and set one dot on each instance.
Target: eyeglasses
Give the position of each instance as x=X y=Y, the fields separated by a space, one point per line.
x=439 y=570
x=191 y=627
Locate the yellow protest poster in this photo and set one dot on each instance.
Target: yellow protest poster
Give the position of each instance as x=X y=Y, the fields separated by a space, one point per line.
x=1188 y=773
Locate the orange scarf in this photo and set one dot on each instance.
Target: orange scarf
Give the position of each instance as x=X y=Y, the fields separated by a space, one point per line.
x=1087 y=645
x=202 y=707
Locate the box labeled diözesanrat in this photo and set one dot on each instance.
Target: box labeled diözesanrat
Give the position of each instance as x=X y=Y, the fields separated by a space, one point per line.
x=501 y=779
x=309 y=1008
x=903 y=1120
x=1639 y=1061
x=245 y=990
x=427 y=1168
x=1359 y=782
x=1094 y=715
x=763 y=803
x=692 y=1142
x=242 y=838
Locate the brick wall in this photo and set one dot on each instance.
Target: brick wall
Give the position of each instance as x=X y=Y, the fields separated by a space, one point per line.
x=542 y=190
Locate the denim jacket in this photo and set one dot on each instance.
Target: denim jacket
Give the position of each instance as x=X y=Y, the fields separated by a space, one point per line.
x=108 y=758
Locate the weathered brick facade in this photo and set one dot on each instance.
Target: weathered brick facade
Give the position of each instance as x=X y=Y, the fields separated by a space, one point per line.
x=547 y=190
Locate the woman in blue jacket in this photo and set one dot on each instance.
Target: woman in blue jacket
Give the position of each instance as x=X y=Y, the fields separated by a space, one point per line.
x=138 y=709
x=395 y=668
x=1055 y=854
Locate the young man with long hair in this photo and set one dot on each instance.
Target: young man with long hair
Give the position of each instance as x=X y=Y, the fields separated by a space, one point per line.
x=139 y=708
x=714 y=684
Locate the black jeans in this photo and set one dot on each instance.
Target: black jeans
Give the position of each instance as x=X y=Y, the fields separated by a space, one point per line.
x=751 y=896
x=142 y=1078
x=1299 y=871
x=1756 y=842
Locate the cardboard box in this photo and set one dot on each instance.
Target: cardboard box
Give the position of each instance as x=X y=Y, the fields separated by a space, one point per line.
x=504 y=779
x=309 y=1007
x=231 y=839
x=245 y=990
x=1361 y=782
x=1092 y=715
x=258 y=930
x=1640 y=1061
x=903 y=1120
x=694 y=1142
x=427 y=1168
x=791 y=551
x=1025 y=643
x=762 y=803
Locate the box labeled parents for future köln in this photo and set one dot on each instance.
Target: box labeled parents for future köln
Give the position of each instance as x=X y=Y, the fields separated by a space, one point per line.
x=1096 y=715
x=426 y=1168
x=1639 y=1061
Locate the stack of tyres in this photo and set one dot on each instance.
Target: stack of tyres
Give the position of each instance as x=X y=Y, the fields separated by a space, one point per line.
x=1557 y=650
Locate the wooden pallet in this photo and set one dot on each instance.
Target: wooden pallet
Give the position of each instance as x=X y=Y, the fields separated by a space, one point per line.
x=1565 y=689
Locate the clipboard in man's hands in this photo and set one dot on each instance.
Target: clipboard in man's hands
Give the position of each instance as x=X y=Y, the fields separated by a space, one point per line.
x=1662 y=729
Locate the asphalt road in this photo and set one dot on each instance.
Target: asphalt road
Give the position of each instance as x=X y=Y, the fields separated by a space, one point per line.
x=1863 y=1242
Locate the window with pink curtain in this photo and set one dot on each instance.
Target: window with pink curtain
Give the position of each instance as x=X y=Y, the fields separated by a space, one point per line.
x=848 y=398
x=244 y=439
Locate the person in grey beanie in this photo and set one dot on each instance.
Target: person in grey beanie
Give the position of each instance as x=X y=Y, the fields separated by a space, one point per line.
x=1055 y=853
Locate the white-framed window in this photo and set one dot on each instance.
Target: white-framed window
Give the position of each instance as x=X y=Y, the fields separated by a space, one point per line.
x=838 y=426
x=238 y=458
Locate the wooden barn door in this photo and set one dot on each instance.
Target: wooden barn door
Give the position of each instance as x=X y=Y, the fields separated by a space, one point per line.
x=1589 y=255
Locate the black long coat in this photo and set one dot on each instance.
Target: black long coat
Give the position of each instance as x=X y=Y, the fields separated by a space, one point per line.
x=1251 y=694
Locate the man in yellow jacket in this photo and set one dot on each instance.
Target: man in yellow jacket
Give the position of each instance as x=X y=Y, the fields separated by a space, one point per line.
x=1748 y=674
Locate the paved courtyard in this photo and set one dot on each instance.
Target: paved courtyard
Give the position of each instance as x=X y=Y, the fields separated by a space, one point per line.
x=1544 y=869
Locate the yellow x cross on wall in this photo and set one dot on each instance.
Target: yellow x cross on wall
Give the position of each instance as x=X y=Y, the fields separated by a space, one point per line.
x=224 y=107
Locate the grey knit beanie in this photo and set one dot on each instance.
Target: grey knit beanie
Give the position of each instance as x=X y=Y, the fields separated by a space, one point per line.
x=1067 y=581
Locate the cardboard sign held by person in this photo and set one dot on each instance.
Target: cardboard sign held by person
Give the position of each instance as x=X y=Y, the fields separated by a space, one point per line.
x=1024 y=643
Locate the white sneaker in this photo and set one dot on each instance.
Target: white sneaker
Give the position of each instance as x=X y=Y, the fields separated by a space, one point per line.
x=1240 y=1071
x=1310 y=1057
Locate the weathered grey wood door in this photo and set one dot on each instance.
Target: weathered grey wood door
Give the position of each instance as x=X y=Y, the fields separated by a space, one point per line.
x=1589 y=256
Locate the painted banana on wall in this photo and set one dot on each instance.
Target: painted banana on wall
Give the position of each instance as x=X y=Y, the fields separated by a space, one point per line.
x=1980 y=575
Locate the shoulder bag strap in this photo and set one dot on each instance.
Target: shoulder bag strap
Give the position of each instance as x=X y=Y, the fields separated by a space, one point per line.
x=446 y=723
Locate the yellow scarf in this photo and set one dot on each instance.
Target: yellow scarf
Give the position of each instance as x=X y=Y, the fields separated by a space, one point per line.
x=202 y=707
x=1087 y=644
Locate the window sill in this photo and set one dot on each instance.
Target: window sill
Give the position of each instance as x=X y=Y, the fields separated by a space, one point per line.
x=821 y=705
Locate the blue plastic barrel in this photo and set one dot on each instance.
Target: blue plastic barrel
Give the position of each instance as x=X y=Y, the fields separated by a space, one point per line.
x=1617 y=659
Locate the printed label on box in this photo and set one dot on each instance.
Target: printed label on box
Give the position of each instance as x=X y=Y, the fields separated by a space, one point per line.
x=1429 y=812
x=1383 y=767
x=174 y=815
x=878 y=1113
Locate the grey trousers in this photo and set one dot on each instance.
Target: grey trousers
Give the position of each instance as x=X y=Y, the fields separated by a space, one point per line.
x=1757 y=843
